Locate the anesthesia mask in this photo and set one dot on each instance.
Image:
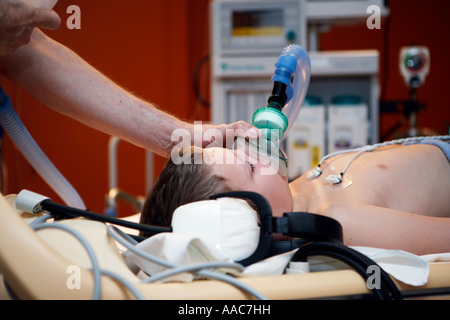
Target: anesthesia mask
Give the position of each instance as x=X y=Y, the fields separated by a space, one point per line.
x=265 y=151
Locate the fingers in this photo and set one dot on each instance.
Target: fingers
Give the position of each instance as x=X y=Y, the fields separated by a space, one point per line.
x=22 y=37
x=221 y=135
x=18 y=21
x=249 y=131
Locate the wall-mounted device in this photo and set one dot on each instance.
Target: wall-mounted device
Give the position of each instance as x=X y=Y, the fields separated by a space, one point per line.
x=246 y=40
x=255 y=27
x=414 y=65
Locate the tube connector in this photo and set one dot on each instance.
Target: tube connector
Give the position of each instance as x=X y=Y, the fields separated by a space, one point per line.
x=279 y=97
x=314 y=173
x=334 y=179
x=30 y=202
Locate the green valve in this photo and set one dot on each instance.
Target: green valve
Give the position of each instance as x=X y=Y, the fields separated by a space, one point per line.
x=270 y=118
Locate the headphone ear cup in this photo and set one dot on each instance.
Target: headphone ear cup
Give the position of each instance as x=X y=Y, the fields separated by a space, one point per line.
x=265 y=223
x=228 y=224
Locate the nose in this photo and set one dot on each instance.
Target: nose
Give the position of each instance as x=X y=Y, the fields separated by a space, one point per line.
x=261 y=153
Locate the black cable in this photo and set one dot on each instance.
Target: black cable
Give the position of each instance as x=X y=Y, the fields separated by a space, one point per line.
x=366 y=262
x=60 y=210
x=386 y=38
x=355 y=259
x=195 y=81
x=380 y=294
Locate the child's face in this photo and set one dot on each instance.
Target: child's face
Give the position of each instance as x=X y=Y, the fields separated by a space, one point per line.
x=242 y=173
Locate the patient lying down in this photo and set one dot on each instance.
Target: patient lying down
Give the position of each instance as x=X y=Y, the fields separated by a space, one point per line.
x=394 y=197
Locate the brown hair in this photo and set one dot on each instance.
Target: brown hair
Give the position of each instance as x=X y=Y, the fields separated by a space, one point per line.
x=179 y=184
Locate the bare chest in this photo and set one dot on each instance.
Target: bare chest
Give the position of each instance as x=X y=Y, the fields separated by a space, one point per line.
x=413 y=179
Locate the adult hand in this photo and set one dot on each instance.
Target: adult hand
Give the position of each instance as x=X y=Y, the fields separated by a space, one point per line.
x=17 y=21
x=220 y=135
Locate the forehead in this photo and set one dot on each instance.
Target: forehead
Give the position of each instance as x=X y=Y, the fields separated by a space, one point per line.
x=227 y=156
x=214 y=155
x=225 y=163
x=221 y=156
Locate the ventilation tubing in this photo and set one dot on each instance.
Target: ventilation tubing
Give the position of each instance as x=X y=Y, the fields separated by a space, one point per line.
x=23 y=140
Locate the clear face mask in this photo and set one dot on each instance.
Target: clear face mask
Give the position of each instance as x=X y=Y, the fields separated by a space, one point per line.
x=264 y=150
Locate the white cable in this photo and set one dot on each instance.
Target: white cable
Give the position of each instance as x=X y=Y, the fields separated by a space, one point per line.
x=336 y=179
x=116 y=234
x=317 y=171
x=95 y=266
x=193 y=268
x=40 y=220
x=336 y=154
x=39 y=224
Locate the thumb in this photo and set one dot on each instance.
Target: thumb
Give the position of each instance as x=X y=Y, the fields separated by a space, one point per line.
x=47 y=19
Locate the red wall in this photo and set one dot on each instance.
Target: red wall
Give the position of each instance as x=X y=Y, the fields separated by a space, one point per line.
x=145 y=46
x=151 y=48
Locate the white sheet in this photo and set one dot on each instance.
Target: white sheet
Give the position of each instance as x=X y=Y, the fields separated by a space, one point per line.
x=184 y=250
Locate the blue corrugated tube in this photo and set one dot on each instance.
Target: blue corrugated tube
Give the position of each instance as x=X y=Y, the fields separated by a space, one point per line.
x=23 y=140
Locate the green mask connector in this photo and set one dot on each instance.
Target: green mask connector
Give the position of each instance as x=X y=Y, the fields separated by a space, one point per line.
x=271 y=121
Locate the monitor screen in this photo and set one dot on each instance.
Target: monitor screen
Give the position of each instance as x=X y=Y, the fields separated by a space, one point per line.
x=257 y=23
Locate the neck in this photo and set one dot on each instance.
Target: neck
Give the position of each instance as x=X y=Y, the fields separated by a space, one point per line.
x=300 y=201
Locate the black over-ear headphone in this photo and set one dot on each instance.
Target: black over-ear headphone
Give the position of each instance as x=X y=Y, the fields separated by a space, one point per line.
x=303 y=227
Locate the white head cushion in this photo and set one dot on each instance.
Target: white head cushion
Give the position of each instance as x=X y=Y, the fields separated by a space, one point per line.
x=228 y=224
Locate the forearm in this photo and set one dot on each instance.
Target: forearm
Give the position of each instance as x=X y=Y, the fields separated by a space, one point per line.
x=373 y=226
x=61 y=80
